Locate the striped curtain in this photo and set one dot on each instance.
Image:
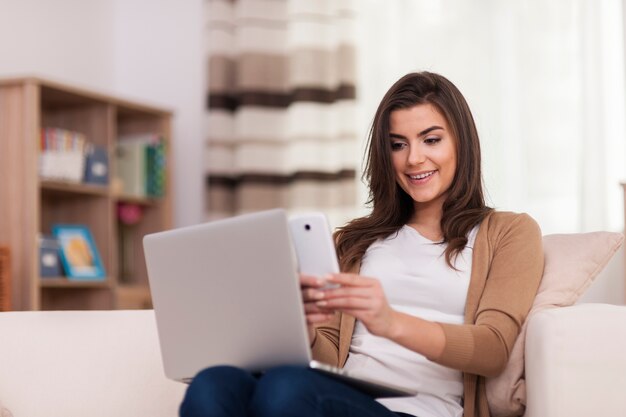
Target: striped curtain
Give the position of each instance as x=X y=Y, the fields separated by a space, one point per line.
x=281 y=126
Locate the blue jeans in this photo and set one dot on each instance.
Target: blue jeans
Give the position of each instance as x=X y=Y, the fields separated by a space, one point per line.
x=286 y=391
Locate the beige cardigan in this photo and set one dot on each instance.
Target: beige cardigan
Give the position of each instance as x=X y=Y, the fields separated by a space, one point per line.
x=507 y=266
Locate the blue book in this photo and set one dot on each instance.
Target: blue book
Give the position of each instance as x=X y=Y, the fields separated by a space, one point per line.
x=97 y=165
x=49 y=262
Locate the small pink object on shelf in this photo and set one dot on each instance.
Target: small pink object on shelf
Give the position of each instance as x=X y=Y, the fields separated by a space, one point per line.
x=129 y=214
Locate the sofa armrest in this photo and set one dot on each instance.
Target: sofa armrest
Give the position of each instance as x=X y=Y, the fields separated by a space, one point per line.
x=576 y=362
x=84 y=363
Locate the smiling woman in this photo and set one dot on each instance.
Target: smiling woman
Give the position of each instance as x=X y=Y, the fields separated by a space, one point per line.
x=434 y=286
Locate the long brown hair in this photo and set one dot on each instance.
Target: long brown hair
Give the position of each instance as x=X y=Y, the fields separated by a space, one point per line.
x=392 y=207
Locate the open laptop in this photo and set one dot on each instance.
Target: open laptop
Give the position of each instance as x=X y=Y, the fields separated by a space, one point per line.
x=227 y=292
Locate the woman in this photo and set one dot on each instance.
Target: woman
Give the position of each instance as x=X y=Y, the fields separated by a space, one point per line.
x=437 y=288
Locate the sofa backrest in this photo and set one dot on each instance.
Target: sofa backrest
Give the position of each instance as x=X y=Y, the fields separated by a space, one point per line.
x=87 y=363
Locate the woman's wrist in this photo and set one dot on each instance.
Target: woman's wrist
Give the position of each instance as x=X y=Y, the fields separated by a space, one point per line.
x=394 y=329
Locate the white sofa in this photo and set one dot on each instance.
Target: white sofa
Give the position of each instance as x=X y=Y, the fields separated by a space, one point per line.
x=77 y=364
x=84 y=364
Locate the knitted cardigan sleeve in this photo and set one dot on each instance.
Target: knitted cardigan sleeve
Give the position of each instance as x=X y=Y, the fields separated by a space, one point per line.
x=325 y=347
x=506 y=272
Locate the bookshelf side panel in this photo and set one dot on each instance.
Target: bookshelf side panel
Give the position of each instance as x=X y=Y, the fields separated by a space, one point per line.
x=19 y=199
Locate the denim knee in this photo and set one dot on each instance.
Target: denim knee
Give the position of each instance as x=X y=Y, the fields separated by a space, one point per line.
x=284 y=391
x=218 y=391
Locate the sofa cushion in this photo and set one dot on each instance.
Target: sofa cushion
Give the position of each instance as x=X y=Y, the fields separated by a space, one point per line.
x=572 y=261
x=575 y=362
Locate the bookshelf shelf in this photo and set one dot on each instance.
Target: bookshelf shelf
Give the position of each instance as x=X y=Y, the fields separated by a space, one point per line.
x=143 y=201
x=75 y=188
x=34 y=205
x=63 y=282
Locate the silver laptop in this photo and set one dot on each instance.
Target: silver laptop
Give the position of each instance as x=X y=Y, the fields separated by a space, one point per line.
x=227 y=292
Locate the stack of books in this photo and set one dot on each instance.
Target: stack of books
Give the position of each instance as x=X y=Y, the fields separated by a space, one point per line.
x=67 y=156
x=140 y=164
x=62 y=155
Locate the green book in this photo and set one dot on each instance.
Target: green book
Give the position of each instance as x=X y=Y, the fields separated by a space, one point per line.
x=130 y=161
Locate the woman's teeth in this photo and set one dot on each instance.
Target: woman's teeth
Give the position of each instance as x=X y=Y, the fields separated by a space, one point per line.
x=421 y=176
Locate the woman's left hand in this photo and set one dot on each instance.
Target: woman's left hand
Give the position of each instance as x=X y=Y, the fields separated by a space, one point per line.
x=362 y=298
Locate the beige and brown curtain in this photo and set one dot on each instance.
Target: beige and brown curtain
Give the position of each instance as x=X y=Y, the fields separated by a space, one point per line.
x=281 y=107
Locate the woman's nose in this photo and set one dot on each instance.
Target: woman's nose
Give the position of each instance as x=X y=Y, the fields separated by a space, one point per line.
x=416 y=156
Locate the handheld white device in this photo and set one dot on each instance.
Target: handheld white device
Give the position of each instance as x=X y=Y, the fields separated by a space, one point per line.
x=314 y=246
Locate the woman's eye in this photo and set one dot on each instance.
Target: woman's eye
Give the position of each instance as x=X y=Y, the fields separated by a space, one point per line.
x=396 y=146
x=432 y=141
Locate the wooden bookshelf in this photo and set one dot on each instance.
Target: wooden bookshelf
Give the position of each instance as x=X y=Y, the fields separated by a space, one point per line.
x=29 y=205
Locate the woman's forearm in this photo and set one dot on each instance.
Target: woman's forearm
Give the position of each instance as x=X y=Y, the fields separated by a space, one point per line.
x=422 y=336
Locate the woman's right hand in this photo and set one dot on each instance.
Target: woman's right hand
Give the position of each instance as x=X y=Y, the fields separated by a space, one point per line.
x=311 y=294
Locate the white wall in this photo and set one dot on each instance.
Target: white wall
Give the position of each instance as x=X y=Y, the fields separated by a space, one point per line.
x=65 y=40
x=149 y=51
x=159 y=53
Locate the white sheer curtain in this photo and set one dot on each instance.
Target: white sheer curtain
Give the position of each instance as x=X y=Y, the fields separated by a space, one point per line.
x=545 y=81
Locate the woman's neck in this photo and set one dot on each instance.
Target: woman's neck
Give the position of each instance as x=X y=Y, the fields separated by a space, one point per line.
x=427 y=221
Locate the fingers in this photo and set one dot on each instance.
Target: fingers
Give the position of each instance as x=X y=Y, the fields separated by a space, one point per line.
x=349 y=293
x=346 y=303
x=351 y=280
x=311 y=294
x=356 y=293
x=311 y=281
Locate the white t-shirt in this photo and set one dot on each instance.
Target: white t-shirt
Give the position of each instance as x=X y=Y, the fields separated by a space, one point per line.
x=417 y=281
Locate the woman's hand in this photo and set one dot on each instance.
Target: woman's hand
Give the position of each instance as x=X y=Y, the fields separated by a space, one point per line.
x=362 y=298
x=311 y=294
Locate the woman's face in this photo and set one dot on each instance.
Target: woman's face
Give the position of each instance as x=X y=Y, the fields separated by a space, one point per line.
x=423 y=152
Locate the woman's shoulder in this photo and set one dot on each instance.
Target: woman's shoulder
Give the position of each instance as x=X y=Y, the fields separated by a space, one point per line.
x=499 y=222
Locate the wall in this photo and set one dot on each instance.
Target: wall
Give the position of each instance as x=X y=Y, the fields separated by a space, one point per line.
x=159 y=57
x=65 y=40
x=141 y=50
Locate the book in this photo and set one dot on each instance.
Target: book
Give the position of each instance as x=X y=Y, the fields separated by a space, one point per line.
x=62 y=154
x=96 y=165
x=141 y=165
x=130 y=161
x=155 y=175
x=49 y=262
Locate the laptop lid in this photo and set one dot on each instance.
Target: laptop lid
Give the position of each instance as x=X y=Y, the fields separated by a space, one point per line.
x=227 y=292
